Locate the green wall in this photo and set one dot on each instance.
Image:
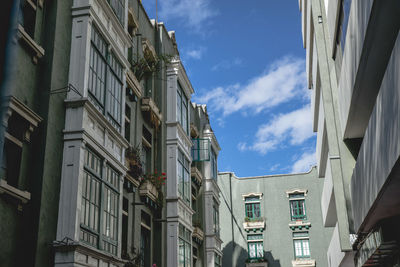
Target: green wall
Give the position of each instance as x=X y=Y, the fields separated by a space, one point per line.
x=278 y=242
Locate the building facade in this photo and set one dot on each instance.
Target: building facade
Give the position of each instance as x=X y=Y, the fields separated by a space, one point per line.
x=352 y=69
x=97 y=142
x=273 y=220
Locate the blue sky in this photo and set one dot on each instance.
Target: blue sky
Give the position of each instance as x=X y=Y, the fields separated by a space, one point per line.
x=246 y=62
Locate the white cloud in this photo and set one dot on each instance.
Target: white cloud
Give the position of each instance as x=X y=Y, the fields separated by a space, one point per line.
x=304 y=163
x=294 y=128
x=284 y=80
x=226 y=64
x=193 y=12
x=195 y=53
x=242 y=146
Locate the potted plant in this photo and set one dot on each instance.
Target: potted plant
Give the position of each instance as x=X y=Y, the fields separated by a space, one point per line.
x=134 y=163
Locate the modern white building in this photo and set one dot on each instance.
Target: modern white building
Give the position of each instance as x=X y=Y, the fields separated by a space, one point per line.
x=352 y=70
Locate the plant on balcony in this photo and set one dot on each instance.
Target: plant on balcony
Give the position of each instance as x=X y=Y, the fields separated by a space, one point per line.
x=255 y=260
x=133 y=160
x=143 y=67
x=255 y=219
x=158 y=180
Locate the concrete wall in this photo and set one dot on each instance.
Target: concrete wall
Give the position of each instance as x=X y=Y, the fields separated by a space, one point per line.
x=278 y=242
x=379 y=152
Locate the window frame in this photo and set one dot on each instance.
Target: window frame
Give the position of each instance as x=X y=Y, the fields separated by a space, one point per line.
x=214 y=164
x=182 y=109
x=199 y=146
x=105 y=242
x=300 y=202
x=304 y=241
x=185 y=240
x=120 y=7
x=184 y=179
x=250 y=207
x=257 y=243
x=108 y=96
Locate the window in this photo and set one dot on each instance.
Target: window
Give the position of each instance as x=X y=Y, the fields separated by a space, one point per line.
x=16 y=149
x=215 y=218
x=252 y=207
x=218 y=262
x=184 y=182
x=105 y=72
x=27 y=16
x=255 y=246
x=343 y=21
x=201 y=149
x=182 y=109
x=185 y=246
x=301 y=245
x=147 y=159
x=145 y=235
x=297 y=207
x=118 y=6
x=214 y=171
x=99 y=211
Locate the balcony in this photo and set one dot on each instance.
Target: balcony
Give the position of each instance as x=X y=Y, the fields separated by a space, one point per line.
x=254 y=224
x=148 y=190
x=198 y=235
x=197 y=177
x=149 y=107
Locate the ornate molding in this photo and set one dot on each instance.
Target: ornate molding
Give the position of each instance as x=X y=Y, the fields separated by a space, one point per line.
x=260 y=195
x=297 y=191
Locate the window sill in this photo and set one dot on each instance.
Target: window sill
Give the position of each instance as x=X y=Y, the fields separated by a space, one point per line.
x=22 y=196
x=36 y=50
x=307 y=262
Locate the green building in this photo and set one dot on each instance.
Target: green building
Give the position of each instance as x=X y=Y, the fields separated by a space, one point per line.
x=97 y=139
x=272 y=220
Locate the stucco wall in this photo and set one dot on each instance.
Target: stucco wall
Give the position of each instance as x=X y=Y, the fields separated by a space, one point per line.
x=278 y=242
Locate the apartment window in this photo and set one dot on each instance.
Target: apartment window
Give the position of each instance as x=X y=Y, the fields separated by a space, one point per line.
x=344 y=13
x=215 y=218
x=297 y=207
x=16 y=155
x=255 y=246
x=118 y=6
x=252 y=207
x=301 y=245
x=185 y=258
x=201 y=149
x=218 y=262
x=100 y=197
x=145 y=235
x=182 y=109
x=105 y=72
x=214 y=171
x=27 y=16
x=147 y=161
x=184 y=182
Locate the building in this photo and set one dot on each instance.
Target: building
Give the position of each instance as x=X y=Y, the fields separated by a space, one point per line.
x=352 y=69
x=98 y=137
x=273 y=220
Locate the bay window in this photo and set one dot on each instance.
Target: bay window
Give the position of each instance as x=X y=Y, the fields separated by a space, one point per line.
x=182 y=109
x=184 y=181
x=99 y=206
x=185 y=247
x=105 y=83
